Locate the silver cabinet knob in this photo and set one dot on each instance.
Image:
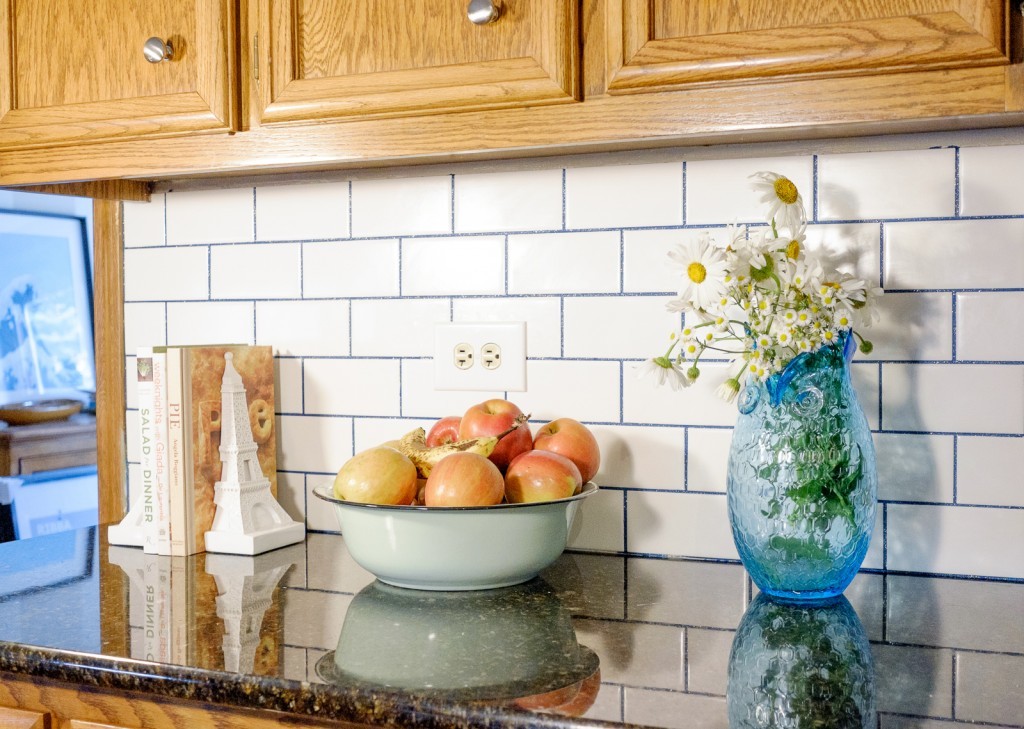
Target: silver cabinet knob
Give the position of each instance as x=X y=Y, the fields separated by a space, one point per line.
x=157 y=49
x=483 y=12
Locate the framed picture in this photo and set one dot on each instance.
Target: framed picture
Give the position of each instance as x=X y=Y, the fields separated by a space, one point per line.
x=46 y=325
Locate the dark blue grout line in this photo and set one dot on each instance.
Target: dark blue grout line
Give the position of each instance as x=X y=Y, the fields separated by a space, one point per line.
x=881 y=400
x=506 y=265
x=561 y=330
x=952 y=680
x=881 y=256
x=885 y=582
x=686 y=459
x=885 y=543
x=814 y=188
x=956 y=448
x=684 y=193
x=564 y=196
x=686 y=658
x=956 y=182
x=451 y=204
x=752 y=223
x=954 y=322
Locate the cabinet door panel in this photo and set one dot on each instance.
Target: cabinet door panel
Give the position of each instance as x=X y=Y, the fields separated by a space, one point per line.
x=21 y=719
x=75 y=72
x=321 y=59
x=655 y=45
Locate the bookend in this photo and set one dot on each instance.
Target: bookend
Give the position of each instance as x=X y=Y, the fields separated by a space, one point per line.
x=248 y=519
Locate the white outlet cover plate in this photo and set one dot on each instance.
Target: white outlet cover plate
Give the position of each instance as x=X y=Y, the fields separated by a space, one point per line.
x=509 y=335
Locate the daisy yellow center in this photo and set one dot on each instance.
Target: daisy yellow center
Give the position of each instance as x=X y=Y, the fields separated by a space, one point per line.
x=785 y=190
x=697 y=272
x=793 y=250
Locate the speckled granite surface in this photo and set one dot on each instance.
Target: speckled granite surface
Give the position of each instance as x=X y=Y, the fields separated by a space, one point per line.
x=595 y=640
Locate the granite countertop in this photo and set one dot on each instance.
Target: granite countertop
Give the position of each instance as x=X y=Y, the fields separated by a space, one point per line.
x=596 y=639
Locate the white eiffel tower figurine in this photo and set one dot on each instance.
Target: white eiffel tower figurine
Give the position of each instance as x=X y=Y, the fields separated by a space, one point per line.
x=248 y=519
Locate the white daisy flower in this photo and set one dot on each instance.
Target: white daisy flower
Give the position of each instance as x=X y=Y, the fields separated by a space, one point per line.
x=829 y=336
x=785 y=204
x=764 y=341
x=665 y=370
x=784 y=338
x=729 y=389
x=703 y=272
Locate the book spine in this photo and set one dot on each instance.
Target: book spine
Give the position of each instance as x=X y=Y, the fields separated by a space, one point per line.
x=160 y=452
x=176 y=451
x=188 y=455
x=147 y=469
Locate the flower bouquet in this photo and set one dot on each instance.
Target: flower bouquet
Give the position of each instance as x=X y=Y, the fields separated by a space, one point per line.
x=801 y=477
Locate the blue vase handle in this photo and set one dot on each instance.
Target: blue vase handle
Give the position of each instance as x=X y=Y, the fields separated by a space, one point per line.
x=749 y=399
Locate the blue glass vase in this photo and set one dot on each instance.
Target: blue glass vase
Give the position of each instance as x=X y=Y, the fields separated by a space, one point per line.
x=797 y=667
x=802 y=481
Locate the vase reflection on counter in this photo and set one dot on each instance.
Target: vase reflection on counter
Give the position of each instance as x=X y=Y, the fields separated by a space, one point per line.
x=797 y=666
x=802 y=480
x=514 y=646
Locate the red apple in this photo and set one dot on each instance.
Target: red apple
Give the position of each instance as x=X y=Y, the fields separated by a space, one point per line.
x=541 y=476
x=378 y=475
x=494 y=417
x=445 y=430
x=572 y=439
x=464 y=479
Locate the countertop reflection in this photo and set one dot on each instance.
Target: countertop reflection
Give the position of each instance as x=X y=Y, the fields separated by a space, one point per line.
x=596 y=639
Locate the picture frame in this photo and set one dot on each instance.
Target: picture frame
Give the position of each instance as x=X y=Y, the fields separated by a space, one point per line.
x=46 y=308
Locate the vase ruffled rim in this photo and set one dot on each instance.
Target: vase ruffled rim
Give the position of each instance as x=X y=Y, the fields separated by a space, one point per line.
x=776 y=385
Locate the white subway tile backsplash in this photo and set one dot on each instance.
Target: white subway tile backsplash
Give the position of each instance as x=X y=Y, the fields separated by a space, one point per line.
x=646 y=267
x=131 y=429
x=584 y=391
x=302 y=212
x=721 y=191
x=640 y=456
x=850 y=248
x=624 y=196
x=291 y=494
x=875 y=558
x=707 y=458
x=645 y=402
x=131 y=390
x=894 y=184
x=145 y=324
x=412 y=206
x=166 y=274
x=914 y=467
x=956 y=540
x=397 y=327
x=991 y=179
x=144 y=222
x=604 y=327
x=313 y=443
x=913 y=326
x=560 y=263
x=304 y=328
x=989 y=326
x=352 y=387
x=288 y=385
x=320 y=514
x=971 y=254
x=351 y=315
x=543 y=317
x=255 y=271
x=438 y=266
x=372 y=432
x=953 y=398
x=696 y=525
x=350 y=268
x=508 y=201
x=210 y=216
x=210 y=322
x=421 y=400
x=599 y=523
x=989 y=471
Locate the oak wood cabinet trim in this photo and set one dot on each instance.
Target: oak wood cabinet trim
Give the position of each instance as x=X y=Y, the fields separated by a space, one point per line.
x=211 y=106
x=637 y=61
x=108 y=303
x=136 y=190
x=784 y=109
x=68 y=705
x=20 y=719
x=282 y=96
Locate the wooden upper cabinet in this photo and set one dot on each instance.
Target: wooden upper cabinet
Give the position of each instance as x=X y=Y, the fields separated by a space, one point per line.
x=324 y=59
x=74 y=72
x=658 y=45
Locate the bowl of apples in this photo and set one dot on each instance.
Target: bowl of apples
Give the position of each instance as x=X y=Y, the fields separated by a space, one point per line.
x=477 y=503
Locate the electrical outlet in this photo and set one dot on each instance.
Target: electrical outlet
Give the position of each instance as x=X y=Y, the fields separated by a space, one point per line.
x=490 y=356
x=487 y=356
